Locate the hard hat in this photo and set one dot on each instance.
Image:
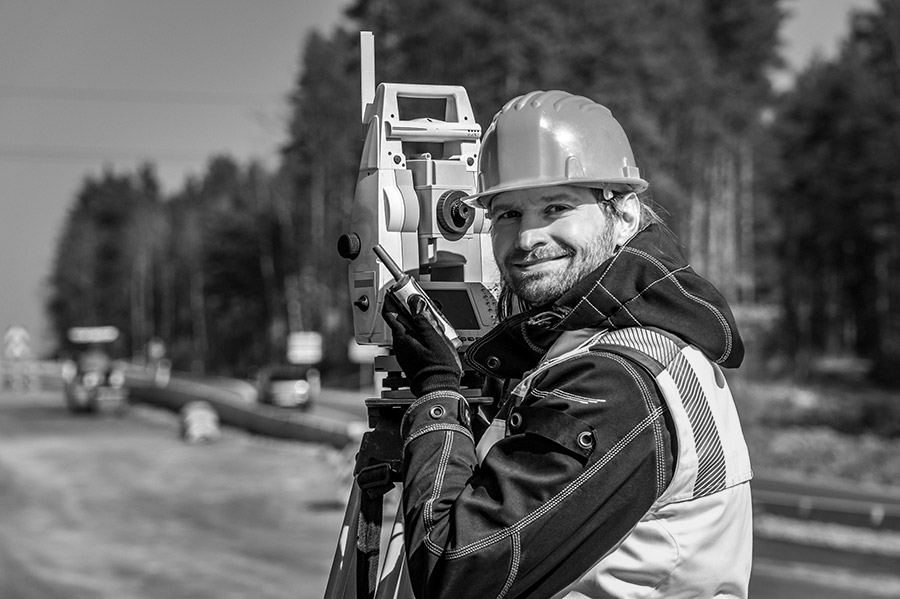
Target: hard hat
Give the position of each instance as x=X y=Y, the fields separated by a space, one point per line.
x=554 y=138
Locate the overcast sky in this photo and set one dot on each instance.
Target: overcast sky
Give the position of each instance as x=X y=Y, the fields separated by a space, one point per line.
x=88 y=83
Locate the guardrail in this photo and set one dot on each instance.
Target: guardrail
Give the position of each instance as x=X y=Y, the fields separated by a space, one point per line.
x=827 y=503
x=234 y=402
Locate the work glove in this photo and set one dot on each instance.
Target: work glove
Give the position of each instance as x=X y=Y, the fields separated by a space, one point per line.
x=424 y=353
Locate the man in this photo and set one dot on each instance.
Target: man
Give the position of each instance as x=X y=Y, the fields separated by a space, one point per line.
x=616 y=466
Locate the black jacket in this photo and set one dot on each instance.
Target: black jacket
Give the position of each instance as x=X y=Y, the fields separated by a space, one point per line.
x=541 y=508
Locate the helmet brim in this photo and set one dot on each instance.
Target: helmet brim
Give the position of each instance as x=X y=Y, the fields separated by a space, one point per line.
x=624 y=184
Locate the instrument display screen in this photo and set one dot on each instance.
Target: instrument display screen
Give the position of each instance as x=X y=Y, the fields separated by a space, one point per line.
x=456 y=304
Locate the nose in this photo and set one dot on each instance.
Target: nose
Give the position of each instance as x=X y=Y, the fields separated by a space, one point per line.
x=532 y=233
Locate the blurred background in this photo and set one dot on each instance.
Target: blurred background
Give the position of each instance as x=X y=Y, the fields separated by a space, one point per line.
x=182 y=170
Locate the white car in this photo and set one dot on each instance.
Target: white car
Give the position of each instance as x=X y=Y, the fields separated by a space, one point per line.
x=288 y=385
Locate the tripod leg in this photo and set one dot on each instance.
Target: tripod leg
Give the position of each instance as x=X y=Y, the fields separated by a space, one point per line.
x=342 y=578
x=393 y=578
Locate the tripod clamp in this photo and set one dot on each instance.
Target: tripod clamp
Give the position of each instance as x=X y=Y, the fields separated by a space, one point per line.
x=379 y=461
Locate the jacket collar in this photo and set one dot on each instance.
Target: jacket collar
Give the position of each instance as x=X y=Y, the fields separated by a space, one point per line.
x=647 y=282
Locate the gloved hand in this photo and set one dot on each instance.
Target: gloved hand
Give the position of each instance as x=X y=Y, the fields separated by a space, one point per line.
x=425 y=354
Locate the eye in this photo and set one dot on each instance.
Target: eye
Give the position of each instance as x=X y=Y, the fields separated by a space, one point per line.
x=505 y=214
x=557 y=208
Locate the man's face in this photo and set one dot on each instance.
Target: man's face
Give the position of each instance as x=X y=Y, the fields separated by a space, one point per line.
x=548 y=238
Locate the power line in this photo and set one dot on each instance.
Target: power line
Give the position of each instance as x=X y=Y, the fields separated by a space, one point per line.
x=137 y=96
x=32 y=153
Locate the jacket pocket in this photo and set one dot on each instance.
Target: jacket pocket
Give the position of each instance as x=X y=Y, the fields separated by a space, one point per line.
x=573 y=435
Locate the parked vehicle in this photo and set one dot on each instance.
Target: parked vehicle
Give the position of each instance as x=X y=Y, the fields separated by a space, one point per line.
x=288 y=385
x=91 y=379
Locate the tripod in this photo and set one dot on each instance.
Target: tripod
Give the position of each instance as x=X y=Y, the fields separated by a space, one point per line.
x=357 y=572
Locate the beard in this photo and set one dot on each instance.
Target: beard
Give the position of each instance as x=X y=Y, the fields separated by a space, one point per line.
x=544 y=287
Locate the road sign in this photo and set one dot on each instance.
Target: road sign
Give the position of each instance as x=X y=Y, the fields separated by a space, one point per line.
x=16 y=343
x=106 y=334
x=304 y=347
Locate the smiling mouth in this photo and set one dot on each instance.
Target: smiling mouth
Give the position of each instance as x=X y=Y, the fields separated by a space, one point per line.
x=538 y=262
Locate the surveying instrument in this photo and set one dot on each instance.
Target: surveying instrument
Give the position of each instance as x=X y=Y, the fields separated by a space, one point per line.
x=411 y=235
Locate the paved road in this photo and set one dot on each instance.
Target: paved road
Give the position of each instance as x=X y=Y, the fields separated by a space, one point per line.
x=18 y=581
x=789 y=571
x=116 y=506
x=37 y=436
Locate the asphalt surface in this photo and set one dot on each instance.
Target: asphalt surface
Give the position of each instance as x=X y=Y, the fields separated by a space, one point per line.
x=43 y=451
x=783 y=570
x=116 y=506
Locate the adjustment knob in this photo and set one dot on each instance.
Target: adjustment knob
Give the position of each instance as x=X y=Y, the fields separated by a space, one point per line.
x=362 y=303
x=349 y=246
x=454 y=217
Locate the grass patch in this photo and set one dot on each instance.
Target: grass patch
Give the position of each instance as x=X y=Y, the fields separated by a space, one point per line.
x=830 y=429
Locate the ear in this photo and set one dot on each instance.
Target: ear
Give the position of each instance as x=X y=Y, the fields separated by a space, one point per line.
x=629 y=221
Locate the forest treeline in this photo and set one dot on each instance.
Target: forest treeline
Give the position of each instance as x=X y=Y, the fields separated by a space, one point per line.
x=789 y=201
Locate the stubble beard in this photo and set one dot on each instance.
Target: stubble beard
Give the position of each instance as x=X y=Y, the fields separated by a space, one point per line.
x=542 y=288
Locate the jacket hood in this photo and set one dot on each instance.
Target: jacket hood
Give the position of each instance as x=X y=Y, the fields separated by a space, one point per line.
x=647 y=283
